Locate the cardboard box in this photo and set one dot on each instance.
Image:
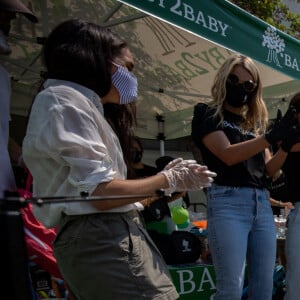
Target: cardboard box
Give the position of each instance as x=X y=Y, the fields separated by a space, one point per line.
x=194 y=281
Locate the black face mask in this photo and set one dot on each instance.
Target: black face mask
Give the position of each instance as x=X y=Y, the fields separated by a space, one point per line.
x=136 y=156
x=236 y=95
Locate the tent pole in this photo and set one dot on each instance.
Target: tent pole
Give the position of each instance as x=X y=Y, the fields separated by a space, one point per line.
x=162 y=147
x=161 y=133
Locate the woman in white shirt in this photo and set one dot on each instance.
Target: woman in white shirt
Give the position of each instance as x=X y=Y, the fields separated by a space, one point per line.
x=102 y=248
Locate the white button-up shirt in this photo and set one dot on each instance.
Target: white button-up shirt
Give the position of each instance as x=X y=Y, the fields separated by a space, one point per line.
x=69 y=147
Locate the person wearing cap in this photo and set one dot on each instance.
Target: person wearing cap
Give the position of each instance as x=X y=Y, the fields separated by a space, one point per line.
x=8 y=11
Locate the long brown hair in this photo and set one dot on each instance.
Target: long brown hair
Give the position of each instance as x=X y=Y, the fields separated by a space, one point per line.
x=122 y=119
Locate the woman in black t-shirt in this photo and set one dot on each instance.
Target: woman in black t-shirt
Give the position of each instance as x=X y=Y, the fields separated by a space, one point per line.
x=230 y=133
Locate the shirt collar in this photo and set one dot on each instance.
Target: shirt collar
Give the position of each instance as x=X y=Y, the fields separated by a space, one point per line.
x=88 y=93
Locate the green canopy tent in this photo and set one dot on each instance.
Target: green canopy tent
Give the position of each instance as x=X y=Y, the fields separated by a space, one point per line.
x=178 y=46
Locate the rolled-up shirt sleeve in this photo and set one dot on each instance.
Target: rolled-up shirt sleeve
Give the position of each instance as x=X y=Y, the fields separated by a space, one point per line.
x=70 y=136
x=80 y=146
x=69 y=147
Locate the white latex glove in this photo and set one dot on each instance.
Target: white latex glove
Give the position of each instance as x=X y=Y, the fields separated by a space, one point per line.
x=183 y=162
x=187 y=175
x=173 y=163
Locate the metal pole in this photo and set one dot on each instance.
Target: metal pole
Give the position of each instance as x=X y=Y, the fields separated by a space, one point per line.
x=162 y=147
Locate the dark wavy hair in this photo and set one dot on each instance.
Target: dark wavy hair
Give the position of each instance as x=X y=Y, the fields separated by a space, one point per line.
x=122 y=119
x=295 y=101
x=82 y=52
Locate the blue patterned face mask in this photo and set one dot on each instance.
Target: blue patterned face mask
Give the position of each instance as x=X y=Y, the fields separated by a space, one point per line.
x=126 y=84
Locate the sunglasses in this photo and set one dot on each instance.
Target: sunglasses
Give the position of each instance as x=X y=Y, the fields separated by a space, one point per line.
x=249 y=86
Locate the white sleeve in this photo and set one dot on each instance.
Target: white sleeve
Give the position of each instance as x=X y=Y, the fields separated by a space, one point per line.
x=69 y=134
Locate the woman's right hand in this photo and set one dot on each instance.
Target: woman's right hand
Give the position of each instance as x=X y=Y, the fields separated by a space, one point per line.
x=184 y=175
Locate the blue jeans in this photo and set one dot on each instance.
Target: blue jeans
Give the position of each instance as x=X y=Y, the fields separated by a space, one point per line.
x=292 y=252
x=241 y=230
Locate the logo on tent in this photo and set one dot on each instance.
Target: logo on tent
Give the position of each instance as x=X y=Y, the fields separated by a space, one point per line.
x=277 y=53
x=275 y=44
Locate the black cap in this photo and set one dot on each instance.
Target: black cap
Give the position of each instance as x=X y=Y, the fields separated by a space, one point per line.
x=18 y=7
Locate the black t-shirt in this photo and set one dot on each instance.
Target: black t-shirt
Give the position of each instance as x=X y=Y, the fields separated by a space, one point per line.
x=249 y=173
x=279 y=191
x=291 y=171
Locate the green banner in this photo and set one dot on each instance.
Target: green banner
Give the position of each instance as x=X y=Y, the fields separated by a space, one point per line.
x=194 y=282
x=226 y=24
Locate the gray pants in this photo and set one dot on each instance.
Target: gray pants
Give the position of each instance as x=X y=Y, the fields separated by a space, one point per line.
x=110 y=256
